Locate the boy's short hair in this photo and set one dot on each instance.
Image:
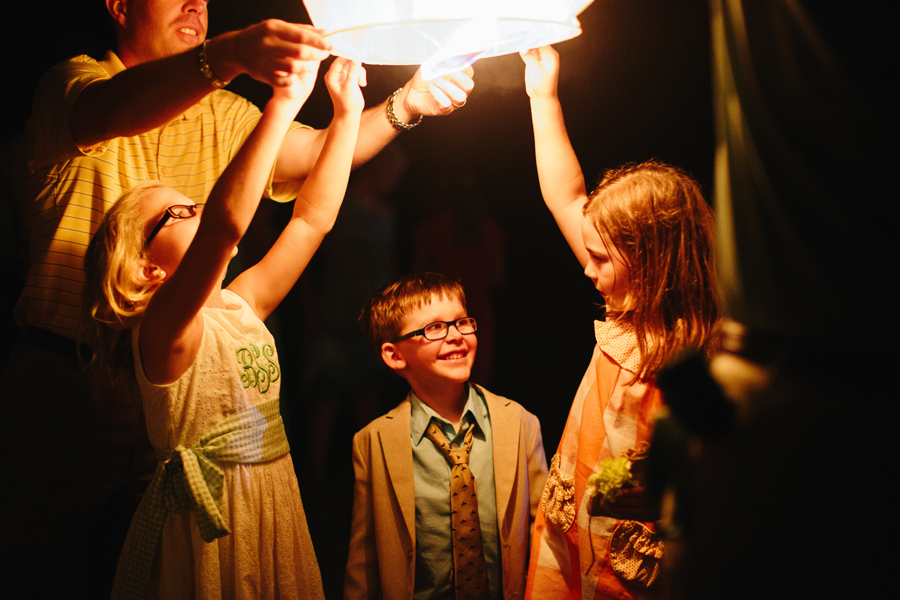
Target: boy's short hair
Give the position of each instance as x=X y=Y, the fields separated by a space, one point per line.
x=383 y=312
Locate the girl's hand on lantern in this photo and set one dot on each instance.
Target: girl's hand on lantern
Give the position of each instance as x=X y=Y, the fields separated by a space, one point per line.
x=297 y=86
x=541 y=72
x=344 y=80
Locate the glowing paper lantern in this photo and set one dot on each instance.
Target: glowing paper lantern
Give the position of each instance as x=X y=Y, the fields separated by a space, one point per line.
x=442 y=35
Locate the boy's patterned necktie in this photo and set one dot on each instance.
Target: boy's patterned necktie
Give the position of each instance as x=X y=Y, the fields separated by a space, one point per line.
x=470 y=569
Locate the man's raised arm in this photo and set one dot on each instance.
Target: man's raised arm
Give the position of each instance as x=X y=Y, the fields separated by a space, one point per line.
x=417 y=99
x=154 y=89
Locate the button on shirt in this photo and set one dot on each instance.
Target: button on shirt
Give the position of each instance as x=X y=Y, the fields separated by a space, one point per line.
x=431 y=476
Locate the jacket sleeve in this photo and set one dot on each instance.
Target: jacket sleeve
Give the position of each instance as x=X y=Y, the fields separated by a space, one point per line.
x=537 y=464
x=361 y=579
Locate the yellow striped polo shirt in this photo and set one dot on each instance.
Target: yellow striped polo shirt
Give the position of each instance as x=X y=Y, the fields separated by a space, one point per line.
x=69 y=189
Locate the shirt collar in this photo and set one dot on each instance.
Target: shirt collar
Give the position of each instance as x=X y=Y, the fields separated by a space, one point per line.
x=112 y=63
x=421 y=415
x=618 y=339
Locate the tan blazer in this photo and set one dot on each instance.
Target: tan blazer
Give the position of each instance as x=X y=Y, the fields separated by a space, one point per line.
x=382 y=562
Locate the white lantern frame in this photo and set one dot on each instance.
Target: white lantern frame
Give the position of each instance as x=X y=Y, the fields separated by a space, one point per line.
x=442 y=35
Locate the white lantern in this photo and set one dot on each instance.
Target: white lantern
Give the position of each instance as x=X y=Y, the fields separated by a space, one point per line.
x=442 y=35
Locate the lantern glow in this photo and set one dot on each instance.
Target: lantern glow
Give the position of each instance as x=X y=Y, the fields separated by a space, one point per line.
x=442 y=36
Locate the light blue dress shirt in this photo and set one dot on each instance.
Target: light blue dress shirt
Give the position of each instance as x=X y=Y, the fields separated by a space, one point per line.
x=431 y=476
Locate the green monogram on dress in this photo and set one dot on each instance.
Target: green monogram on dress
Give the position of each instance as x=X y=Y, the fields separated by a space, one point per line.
x=259 y=368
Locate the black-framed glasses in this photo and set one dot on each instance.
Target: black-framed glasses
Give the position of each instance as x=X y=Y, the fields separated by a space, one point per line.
x=176 y=211
x=439 y=329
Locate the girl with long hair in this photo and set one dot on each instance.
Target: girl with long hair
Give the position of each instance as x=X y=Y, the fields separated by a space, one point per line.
x=644 y=237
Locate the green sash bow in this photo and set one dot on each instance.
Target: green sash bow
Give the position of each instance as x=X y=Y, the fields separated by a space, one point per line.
x=191 y=479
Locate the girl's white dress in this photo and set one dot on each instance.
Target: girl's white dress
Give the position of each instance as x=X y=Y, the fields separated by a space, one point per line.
x=268 y=552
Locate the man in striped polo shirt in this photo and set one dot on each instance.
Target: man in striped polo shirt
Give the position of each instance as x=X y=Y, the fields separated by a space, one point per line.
x=153 y=109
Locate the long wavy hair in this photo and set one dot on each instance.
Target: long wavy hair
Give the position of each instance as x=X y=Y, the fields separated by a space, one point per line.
x=116 y=287
x=657 y=218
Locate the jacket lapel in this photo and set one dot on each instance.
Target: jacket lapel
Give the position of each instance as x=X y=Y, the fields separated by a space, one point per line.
x=397 y=452
x=505 y=431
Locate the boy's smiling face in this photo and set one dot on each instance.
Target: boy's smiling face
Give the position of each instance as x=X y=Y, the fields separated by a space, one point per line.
x=431 y=364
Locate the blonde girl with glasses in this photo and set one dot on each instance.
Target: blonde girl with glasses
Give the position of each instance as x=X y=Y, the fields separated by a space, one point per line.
x=223 y=516
x=644 y=237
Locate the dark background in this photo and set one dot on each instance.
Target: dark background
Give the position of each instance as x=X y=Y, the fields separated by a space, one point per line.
x=635 y=85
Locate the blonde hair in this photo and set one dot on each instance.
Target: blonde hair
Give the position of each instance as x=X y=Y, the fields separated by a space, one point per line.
x=382 y=314
x=116 y=288
x=656 y=217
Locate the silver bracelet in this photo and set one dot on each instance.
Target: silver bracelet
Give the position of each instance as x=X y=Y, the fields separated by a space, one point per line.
x=207 y=71
x=397 y=123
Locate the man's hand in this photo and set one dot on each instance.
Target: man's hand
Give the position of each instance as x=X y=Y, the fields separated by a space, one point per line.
x=431 y=98
x=272 y=52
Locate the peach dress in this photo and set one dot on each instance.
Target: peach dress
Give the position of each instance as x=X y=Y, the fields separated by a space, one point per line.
x=570 y=548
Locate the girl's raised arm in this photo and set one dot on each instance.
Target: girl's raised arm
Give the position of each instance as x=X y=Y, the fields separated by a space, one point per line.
x=171 y=329
x=266 y=284
x=559 y=173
